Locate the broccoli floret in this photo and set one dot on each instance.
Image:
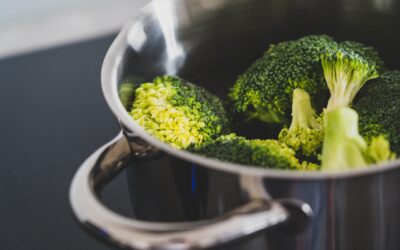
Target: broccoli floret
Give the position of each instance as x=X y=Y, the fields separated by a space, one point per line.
x=305 y=133
x=263 y=153
x=378 y=105
x=367 y=52
x=178 y=112
x=264 y=91
x=346 y=72
x=126 y=93
x=344 y=148
x=379 y=150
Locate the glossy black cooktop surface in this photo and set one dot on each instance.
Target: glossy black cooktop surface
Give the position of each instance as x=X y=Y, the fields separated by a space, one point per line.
x=53 y=116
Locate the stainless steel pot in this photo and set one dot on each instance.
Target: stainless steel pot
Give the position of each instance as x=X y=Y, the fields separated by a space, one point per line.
x=185 y=201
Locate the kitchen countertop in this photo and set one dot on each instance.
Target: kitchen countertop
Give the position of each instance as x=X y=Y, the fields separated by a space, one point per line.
x=53 y=116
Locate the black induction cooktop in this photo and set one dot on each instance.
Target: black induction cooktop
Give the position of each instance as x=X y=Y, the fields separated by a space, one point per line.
x=53 y=116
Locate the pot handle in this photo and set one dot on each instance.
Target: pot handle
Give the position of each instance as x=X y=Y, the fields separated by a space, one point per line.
x=103 y=164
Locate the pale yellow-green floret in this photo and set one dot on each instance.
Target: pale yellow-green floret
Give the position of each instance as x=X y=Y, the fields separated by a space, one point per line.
x=179 y=126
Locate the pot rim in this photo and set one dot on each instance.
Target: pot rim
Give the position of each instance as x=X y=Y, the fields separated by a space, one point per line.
x=109 y=83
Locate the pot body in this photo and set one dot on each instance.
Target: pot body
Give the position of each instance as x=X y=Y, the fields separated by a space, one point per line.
x=355 y=213
x=210 y=42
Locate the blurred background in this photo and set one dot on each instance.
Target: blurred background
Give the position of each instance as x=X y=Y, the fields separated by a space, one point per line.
x=37 y=24
x=53 y=115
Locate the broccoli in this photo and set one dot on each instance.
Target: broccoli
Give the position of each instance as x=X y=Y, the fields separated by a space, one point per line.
x=379 y=150
x=346 y=68
x=264 y=91
x=378 y=105
x=367 y=52
x=263 y=153
x=305 y=133
x=344 y=148
x=346 y=71
x=291 y=76
x=178 y=112
x=126 y=91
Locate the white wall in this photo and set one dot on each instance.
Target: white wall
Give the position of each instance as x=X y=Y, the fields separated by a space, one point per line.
x=12 y=11
x=27 y=25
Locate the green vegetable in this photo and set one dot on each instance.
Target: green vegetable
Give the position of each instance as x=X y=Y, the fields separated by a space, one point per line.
x=379 y=150
x=178 y=112
x=127 y=93
x=265 y=90
x=378 y=105
x=291 y=77
x=344 y=148
x=346 y=72
x=367 y=52
x=305 y=133
x=263 y=153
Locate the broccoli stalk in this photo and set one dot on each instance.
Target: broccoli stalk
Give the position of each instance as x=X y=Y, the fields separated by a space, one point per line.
x=344 y=148
x=346 y=72
x=305 y=133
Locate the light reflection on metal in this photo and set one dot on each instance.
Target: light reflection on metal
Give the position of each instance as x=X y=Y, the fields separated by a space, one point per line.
x=193 y=180
x=137 y=37
x=254 y=187
x=166 y=15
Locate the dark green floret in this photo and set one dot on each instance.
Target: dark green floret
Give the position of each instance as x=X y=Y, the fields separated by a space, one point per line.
x=344 y=148
x=305 y=133
x=378 y=105
x=262 y=153
x=178 y=112
x=366 y=52
x=265 y=90
x=346 y=72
